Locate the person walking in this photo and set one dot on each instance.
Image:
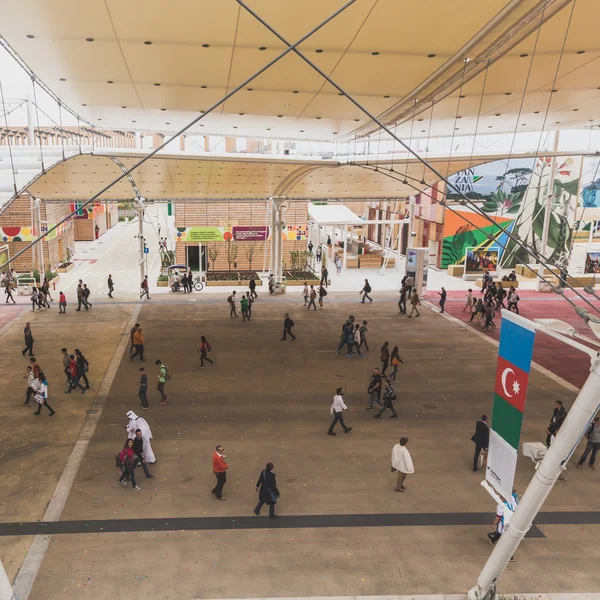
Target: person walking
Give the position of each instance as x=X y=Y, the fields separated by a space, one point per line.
x=36 y=368
x=322 y=294
x=357 y=340
x=86 y=297
x=143 y=391
x=593 y=444
x=83 y=366
x=347 y=327
x=244 y=306
x=252 y=288
x=232 y=312
x=338 y=264
x=324 y=275
x=139 y=423
x=138 y=344
x=66 y=361
x=408 y=284
x=395 y=361
x=384 y=357
x=318 y=254
x=128 y=461
x=366 y=290
x=268 y=493
x=337 y=408
x=62 y=303
x=402 y=463
x=310 y=247
x=500 y=295
x=305 y=293
x=313 y=297
x=414 y=303
x=30 y=379
x=219 y=467
x=111 y=287
x=481 y=439
x=138 y=449
x=28 y=335
x=34 y=299
x=287 y=327
x=74 y=372
x=374 y=389
x=364 y=333
x=145 y=287
x=204 y=349
x=402 y=300
x=469 y=303
x=559 y=414
x=131 y=334
x=442 y=296
x=40 y=388
x=8 y=292
x=79 y=295
x=389 y=395
x=163 y=376
x=478 y=311
x=489 y=316
x=513 y=300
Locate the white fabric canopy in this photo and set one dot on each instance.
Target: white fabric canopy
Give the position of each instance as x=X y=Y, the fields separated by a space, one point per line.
x=333 y=214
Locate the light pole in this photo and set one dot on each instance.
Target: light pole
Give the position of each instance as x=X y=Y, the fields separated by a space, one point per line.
x=568 y=437
x=139 y=201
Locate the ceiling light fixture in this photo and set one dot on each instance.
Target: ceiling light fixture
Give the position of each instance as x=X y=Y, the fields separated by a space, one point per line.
x=148 y=43
x=263 y=48
x=157 y=84
x=295 y=92
x=580 y=51
x=92 y=39
x=498 y=115
x=279 y=116
x=386 y=96
x=319 y=50
x=203 y=87
x=536 y=112
x=241 y=114
x=268 y=129
x=167 y=123
x=575 y=109
x=123 y=107
x=508 y=93
x=554 y=91
x=84 y=105
x=29 y=36
x=249 y=89
x=110 y=82
x=431 y=56
x=62 y=79
x=462 y=96
x=163 y=109
x=335 y=133
x=375 y=53
x=134 y=121
x=356 y=120
x=524 y=55
x=302 y=131
x=459 y=117
x=318 y=118
x=206 y=45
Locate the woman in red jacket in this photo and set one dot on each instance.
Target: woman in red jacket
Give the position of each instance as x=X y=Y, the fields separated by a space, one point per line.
x=128 y=460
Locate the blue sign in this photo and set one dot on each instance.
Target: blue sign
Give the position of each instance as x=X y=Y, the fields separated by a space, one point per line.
x=146 y=250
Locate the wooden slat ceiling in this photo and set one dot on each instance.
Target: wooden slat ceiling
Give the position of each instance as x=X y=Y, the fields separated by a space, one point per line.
x=80 y=177
x=380 y=51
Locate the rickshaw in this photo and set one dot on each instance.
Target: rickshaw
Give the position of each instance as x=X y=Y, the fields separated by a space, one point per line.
x=175 y=273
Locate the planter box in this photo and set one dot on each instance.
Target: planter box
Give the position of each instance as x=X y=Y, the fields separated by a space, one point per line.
x=298 y=282
x=162 y=284
x=233 y=282
x=66 y=269
x=456 y=270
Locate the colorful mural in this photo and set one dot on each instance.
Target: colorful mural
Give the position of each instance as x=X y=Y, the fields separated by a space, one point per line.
x=28 y=234
x=512 y=194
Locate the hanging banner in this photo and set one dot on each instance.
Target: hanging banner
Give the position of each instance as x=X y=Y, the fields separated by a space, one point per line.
x=239 y=234
x=17 y=234
x=199 y=234
x=517 y=336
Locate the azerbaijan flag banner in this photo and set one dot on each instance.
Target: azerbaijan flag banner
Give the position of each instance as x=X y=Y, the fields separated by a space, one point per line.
x=512 y=376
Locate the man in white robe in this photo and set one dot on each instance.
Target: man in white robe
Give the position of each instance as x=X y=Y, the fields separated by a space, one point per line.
x=402 y=463
x=136 y=422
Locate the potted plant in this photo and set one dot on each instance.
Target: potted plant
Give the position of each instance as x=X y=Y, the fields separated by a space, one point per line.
x=66 y=265
x=162 y=281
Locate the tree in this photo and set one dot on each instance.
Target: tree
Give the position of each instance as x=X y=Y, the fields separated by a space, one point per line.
x=250 y=249
x=232 y=252
x=213 y=253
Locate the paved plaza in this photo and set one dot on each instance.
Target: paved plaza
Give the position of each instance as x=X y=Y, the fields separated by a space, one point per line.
x=341 y=529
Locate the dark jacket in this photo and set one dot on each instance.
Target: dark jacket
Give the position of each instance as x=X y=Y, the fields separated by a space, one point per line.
x=81 y=364
x=288 y=324
x=138 y=447
x=266 y=484
x=482 y=434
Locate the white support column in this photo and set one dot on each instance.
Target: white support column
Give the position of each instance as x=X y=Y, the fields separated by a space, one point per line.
x=411 y=222
x=37 y=211
x=6 y=592
x=30 y=122
x=345 y=244
x=572 y=430
x=277 y=242
x=140 y=212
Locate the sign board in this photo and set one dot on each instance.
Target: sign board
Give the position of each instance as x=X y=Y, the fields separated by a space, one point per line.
x=517 y=336
x=250 y=234
x=146 y=250
x=592 y=262
x=478 y=260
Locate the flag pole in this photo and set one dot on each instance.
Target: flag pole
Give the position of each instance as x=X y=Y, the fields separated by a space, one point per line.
x=568 y=437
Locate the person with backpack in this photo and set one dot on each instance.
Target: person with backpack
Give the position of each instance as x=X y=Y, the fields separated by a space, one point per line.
x=145 y=288
x=287 y=327
x=268 y=493
x=204 y=349
x=513 y=300
x=127 y=461
x=389 y=395
x=395 y=361
x=252 y=288
x=40 y=388
x=313 y=297
x=163 y=377
x=83 y=366
x=244 y=306
x=75 y=375
x=86 y=297
x=322 y=294
x=231 y=301
x=366 y=290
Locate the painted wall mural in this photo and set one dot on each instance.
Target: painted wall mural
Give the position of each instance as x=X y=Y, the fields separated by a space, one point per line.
x=512 y=194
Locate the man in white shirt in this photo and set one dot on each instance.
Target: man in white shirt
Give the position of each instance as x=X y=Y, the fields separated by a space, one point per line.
x=337 y=408
x=402 y=463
